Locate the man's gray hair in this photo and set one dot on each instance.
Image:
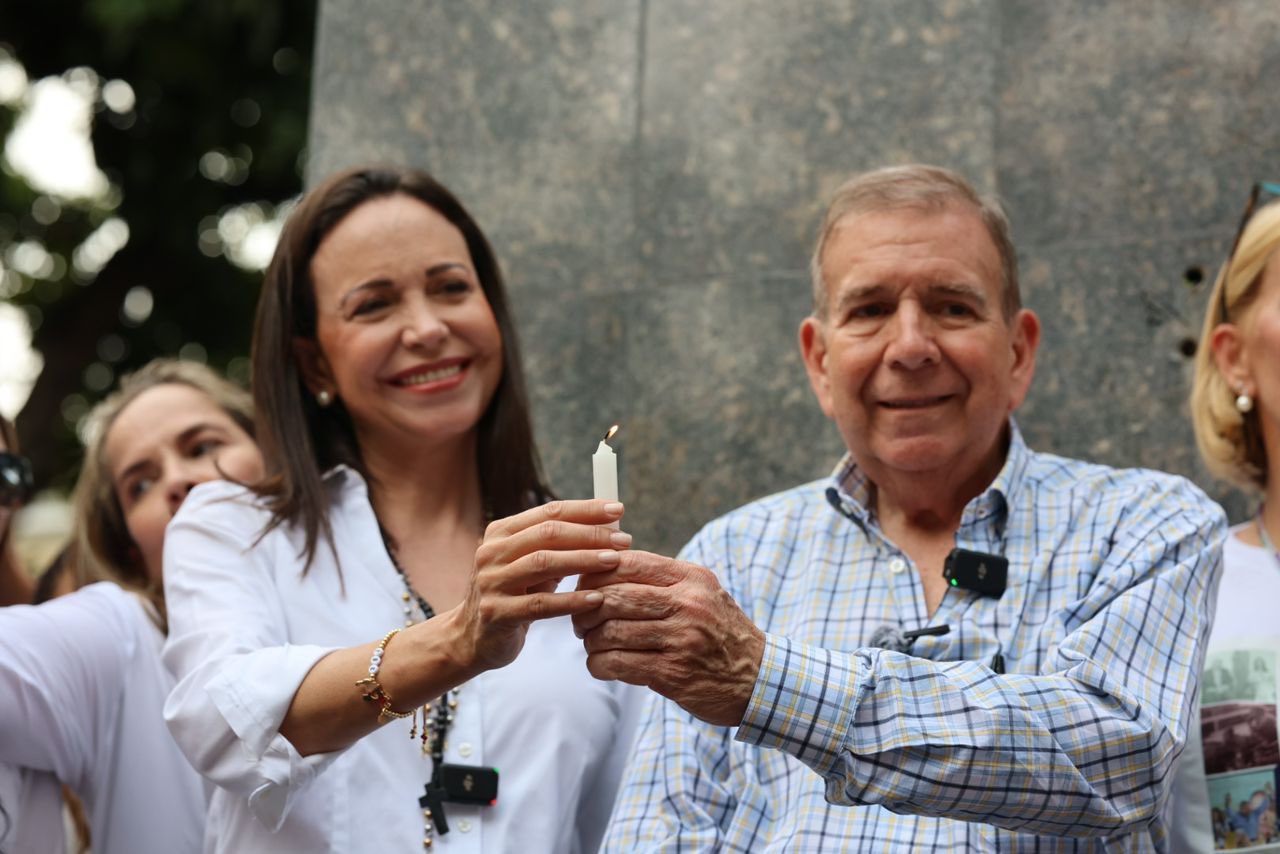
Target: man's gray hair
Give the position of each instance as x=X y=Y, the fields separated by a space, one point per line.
x=917 y=187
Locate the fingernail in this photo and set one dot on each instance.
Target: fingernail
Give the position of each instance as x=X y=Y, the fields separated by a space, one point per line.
x=595 y=597
x=613 y=508
x=609 y=557
x=620 y=538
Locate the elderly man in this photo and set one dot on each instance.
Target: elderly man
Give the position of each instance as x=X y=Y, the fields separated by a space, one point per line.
x=1064 y=605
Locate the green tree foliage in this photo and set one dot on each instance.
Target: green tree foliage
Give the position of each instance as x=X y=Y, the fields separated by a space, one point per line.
x=218 y=121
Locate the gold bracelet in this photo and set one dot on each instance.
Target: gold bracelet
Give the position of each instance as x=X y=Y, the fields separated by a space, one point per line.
x=371 y=689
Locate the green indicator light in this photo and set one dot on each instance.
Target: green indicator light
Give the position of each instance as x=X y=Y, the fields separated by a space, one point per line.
x=954 y=583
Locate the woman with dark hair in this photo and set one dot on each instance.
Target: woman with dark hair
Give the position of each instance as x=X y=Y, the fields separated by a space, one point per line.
x=346 y=652
x=82 y=685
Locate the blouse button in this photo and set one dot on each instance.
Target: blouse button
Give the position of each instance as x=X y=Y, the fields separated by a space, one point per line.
x=897 y=566
x=464 y=749
x=465 y=825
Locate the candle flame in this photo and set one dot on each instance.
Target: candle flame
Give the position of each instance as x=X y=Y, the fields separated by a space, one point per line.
x=612 y=430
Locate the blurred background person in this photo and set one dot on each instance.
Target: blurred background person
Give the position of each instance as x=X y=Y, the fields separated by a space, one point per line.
x=30 y=802
x=16 y=484
x=58 y=578
x=321 y=623
x=82 y=685
x=16 y=587
x=1235 y=409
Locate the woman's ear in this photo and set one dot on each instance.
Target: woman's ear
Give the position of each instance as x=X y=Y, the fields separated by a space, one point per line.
x=1230 y=356
x=312 y=365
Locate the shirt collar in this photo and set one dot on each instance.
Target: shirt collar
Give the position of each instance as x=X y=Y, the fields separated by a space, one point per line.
x=343 y=477
x=855 y=490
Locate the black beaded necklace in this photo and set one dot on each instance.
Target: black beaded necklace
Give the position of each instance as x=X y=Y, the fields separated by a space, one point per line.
x=437 y=716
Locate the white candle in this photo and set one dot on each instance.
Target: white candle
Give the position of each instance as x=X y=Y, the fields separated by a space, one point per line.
x=604 y=470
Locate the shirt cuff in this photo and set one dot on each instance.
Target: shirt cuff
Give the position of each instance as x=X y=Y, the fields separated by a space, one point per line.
x=803 y=702
x=253 y=695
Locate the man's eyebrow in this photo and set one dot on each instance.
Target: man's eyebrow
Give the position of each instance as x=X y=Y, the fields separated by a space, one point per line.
x=857 y=294
x=961 y=290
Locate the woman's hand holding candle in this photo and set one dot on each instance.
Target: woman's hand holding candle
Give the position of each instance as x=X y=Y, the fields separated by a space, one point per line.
x=518 y=567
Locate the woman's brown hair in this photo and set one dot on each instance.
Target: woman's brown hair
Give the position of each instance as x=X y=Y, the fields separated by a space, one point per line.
x=102 y=548
x=301 y=440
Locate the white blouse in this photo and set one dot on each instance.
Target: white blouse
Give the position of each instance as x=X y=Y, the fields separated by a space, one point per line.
x=246 y=626
x=30 y=811
x=81 y=692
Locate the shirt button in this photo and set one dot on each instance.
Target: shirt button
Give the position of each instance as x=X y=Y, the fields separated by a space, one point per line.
x=897 y=566
x=465 y=825
x=464 y=749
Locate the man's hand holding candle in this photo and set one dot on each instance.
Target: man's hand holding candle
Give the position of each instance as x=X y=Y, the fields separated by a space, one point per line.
x=670 y=626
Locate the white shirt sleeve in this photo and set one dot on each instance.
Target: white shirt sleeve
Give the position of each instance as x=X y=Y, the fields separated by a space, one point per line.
x=228 y=648
x=61 y=667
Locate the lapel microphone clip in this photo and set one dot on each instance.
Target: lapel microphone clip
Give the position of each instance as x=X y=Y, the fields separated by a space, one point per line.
x=896 y=640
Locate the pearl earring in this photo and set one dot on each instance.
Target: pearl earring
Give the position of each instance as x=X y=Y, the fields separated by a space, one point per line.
x=1244 y=403
x=323 y=398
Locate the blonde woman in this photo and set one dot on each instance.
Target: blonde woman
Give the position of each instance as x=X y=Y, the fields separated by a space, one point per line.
x=1235 y=407
x=82 y=685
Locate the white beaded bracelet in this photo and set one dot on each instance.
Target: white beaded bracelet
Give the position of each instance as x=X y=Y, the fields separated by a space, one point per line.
x=371 y=689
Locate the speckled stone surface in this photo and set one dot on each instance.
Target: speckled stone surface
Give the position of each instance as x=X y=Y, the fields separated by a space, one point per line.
x=651 y=174
x=1124 y=121
x=1113 y=374
x=526 y=110
x=755 y=111
x=1128 y=135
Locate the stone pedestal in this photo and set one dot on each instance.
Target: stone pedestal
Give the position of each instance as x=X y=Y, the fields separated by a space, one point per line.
x=652 y=175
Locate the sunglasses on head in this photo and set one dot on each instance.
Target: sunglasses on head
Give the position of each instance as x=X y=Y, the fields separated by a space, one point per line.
x=17 y=481
x=1270 y=188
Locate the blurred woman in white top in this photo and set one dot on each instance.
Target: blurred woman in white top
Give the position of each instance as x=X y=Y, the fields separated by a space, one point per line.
x=1235 y=408
x=394 y=424
x=82 y=684
x=16 y=586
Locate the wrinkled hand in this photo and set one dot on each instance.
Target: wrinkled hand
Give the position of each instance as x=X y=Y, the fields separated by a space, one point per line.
x=670 y=626
x=519 y=564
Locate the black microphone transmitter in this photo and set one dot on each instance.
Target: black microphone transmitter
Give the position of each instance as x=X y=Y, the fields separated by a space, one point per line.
x=980 y=572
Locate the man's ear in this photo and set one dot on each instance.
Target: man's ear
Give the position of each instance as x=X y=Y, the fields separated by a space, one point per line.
x=313 y=366
x=1229 y=354
x=1025 y=335
x=813 y=348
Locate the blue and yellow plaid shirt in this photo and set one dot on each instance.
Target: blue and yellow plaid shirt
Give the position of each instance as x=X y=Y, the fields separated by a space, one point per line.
x=845 y=747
